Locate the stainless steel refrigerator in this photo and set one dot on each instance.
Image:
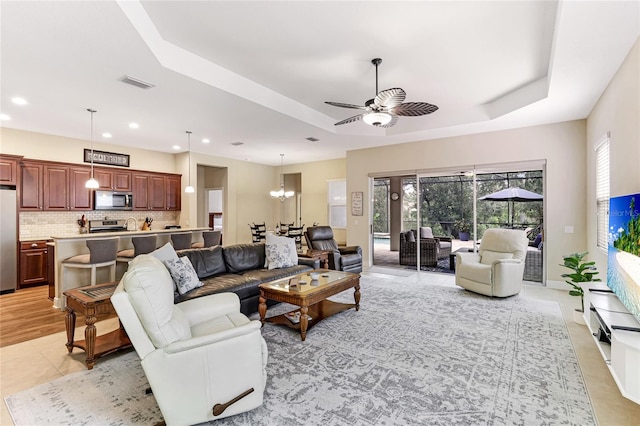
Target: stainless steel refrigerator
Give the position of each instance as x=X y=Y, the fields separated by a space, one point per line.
x=8 y=239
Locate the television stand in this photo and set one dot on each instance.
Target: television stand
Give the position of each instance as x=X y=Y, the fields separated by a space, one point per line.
x=610 y=321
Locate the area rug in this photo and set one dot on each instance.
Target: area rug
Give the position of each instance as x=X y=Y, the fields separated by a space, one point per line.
x=414 y=354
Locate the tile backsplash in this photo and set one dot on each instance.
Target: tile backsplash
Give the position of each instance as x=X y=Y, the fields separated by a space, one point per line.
x=45 y=224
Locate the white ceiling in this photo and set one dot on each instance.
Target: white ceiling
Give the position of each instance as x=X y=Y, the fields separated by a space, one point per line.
x=259 y=71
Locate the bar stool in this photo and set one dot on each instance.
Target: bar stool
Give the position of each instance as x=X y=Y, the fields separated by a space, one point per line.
x=102 y=253
x=211 y=238
x=141 y=245
x=181 y=240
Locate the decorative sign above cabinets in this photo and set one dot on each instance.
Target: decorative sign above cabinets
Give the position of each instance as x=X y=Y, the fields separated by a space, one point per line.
x=109 y=158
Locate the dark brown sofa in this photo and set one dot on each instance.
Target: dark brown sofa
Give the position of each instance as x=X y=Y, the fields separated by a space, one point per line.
x=239 y=269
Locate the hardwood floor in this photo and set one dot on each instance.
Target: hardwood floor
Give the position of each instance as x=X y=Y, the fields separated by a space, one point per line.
x=28 y=314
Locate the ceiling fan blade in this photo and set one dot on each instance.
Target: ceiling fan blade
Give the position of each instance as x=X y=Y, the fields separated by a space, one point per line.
x=394 y=120
x=413 y=109
x=349 y=120
x=341 y=105
x=390 y=98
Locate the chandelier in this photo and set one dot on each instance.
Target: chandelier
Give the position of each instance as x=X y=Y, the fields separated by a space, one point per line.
x=281 y=193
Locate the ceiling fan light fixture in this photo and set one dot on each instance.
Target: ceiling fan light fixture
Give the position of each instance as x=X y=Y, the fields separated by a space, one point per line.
x=377 y=118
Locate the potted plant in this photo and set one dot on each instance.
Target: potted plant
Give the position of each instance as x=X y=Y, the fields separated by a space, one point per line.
x=583 y=272
x=463 y=226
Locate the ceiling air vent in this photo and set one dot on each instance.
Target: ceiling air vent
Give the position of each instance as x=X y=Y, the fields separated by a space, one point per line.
x=136 y=82
x=237 y=143
x=312 y=139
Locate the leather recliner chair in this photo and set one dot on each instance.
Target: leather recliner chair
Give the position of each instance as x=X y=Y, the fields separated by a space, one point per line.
x=204 y=359
x=348 y=259
x=498 y=267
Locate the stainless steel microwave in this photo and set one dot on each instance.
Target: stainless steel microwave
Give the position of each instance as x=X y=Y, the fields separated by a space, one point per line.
x=110 y=200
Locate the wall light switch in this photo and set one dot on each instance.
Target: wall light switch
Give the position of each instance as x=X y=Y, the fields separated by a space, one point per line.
x=355 y=222
x=568 y=229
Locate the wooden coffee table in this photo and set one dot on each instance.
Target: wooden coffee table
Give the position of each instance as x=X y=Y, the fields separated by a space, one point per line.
x=92 y=301
x=310 y=296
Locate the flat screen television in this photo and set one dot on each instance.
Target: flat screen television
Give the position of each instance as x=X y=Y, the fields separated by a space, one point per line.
x=623 y=271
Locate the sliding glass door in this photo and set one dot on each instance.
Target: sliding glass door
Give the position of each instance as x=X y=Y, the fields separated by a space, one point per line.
x=455 y=208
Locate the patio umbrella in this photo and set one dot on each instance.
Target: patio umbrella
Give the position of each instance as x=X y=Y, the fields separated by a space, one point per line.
x=512 y=194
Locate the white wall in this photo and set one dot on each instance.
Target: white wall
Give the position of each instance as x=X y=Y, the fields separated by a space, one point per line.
x=617 y=112
x=562 y=145
x=40 y=146
x=315 y=176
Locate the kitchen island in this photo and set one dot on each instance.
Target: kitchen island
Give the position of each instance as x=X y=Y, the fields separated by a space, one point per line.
x=70 y=245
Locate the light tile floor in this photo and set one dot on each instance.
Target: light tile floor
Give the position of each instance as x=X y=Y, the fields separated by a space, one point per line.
x=41 y=360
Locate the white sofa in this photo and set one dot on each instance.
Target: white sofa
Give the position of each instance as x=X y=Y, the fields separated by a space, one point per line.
x=497 y=268
x=195 y=354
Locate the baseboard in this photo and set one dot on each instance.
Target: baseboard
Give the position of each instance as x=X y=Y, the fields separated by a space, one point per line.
x=558 y=285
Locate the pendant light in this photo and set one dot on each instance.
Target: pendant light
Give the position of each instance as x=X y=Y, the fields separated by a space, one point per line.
x=189 y=189
x=281 y=194
x=92 y=183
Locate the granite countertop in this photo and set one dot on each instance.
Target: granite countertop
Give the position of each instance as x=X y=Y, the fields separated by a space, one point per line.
x=77 y=236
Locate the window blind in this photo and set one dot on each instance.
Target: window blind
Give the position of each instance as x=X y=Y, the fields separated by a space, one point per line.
x=602 y=193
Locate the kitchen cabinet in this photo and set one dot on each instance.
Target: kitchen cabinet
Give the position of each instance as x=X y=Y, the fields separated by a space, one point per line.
x=30 y=186
x=51 y=270
x=140 y=191
x=9 y=170
x=173 y=192
x=56 y=187
x=115 y=180
x=156 y=192
x=33 y=263
x=80 y=197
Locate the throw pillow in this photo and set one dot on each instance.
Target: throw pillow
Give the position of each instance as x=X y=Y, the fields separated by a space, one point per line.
x=164 y=253
x=426 y=232
x=280 y=252
x=488 y=256
x=183 y=274
x=409 y=237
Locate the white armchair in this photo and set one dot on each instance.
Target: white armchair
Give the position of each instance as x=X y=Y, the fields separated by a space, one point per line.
x=201 y=356
x=497 y=268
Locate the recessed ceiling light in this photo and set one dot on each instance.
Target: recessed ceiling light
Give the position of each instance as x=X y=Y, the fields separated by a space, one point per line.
x=176 y=147
x=237 y=143
x=19 y=101
x=4 y=117
x=106 y=135
x=134 y=125
x=205 y=140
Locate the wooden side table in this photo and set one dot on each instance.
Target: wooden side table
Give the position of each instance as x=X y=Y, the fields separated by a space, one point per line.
x=92 y=301
x=321 y=255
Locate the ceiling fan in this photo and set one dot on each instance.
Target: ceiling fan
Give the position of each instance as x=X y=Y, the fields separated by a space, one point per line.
x=386 y=107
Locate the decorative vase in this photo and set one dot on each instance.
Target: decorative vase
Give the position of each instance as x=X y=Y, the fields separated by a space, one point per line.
x=464 y=236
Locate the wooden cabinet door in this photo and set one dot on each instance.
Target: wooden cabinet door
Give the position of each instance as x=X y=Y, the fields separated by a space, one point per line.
x=80 y=196
x=122 y=181
x=8 y=171
x=56 y=188
x=157 y=193
x=33 y=262
x=104 y=178
x=173 y=189
x=140 y=191
x=30 y=186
